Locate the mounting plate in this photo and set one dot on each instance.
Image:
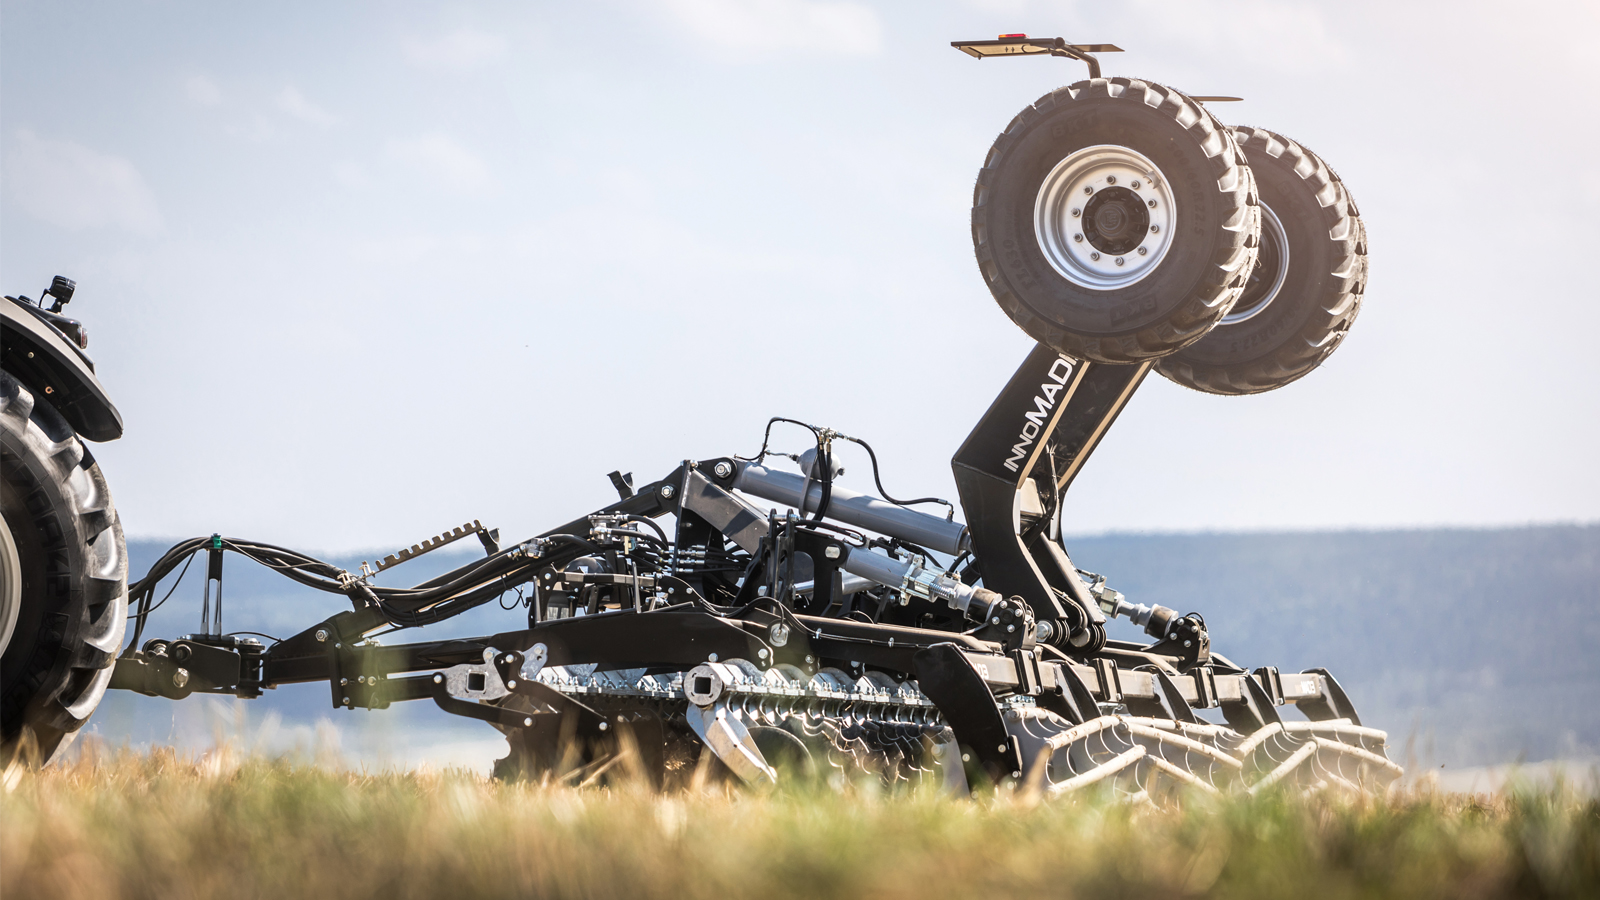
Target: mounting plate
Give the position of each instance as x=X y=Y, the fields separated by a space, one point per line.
x=1022 y=45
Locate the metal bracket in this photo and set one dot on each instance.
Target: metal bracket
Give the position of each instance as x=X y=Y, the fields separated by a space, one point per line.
x=475 y=681
x=1332 y=704
x=494 y=715
x=949 y=679
x=1034 y=439
x=1022 y=45
x=433 y=543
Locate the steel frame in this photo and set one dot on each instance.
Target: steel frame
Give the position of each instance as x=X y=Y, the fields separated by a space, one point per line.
x=1039 y=635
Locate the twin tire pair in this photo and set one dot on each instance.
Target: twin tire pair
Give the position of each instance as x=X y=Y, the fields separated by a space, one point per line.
x=1117 y=221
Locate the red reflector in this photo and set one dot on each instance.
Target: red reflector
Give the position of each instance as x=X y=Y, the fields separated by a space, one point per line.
x=1008 y=36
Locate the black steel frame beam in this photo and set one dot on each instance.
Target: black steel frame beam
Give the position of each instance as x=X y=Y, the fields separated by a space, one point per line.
x=1036 y=436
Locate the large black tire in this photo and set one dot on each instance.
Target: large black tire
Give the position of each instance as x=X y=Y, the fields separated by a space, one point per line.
x=1101 y=279
x=1296 y=310
x=67 y=586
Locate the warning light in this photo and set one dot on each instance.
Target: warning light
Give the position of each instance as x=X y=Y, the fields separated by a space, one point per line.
x=1004 y=37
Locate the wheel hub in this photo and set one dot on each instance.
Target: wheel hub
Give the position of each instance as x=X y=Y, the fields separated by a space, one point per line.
x=1115 y=221
x=1103 y=217
x=1266 y=279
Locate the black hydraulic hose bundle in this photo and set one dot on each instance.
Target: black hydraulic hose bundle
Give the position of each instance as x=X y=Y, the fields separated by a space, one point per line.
x=479 y=582
x=449 y=595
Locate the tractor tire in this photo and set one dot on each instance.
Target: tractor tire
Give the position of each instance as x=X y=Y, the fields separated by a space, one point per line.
x=1115 y=220
x=1306 y=288
x=63 y=579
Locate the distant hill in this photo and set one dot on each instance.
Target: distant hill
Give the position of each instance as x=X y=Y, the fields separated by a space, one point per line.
x=1479 y=644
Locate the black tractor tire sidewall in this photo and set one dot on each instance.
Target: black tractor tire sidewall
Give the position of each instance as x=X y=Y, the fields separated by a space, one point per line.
x=73 y=561
x=1323 y=285
x=1212 y=244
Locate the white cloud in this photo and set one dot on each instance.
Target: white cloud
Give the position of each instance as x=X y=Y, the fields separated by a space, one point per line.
x=295 y=104
x=443 y=159
x=464 y=48
x=68 y=185
x=202 y=91
x=757 y=28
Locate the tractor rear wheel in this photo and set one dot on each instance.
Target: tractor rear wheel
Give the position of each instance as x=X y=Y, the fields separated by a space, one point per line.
x=1306 y=288
x=1115 y=220
x=63 y=578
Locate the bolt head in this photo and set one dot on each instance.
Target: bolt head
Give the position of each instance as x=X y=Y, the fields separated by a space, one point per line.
x=528 y=722
x=1004 y=748
x=438 y=679
x=1111 y=179
x=180 y=678
x=511 y=685
x=1088 y=189
x=761 y=653
x=723 y=469
x=711 y=658
x=1134 y=184
x=321 y=635
x=1078 y=238
x=1143 y=251
x=1152 y=204
x=1076 y=213
x=1155 y=229
x=605 y=726
x=667 y=491
x=1119 y=260
x=1094 y=255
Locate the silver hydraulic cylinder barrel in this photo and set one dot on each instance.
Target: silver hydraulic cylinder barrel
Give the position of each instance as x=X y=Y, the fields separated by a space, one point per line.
x=856 y=509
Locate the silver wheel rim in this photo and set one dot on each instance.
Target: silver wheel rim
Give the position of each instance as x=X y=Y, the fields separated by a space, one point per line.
x=1075 y=226
x=1271 y=231
x=10 y=585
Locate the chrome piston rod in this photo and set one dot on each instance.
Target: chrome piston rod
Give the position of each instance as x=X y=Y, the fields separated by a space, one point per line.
x=920 y=581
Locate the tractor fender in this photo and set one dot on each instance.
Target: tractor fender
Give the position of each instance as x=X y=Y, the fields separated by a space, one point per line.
x=42 y=358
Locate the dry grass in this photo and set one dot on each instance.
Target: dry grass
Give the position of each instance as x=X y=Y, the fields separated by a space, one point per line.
x=224 y=826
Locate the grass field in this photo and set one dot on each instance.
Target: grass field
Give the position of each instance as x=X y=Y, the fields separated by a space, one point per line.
x=157 y=825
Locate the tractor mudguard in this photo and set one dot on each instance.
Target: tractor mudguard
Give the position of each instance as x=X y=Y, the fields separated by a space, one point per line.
x=40 y=357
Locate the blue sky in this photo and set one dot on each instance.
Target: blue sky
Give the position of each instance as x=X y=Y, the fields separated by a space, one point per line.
x=356 y=273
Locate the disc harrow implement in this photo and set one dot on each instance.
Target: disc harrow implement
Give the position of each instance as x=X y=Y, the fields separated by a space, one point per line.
x=759 y=618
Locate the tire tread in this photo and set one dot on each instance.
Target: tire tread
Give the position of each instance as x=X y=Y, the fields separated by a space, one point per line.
x=1222 y=284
